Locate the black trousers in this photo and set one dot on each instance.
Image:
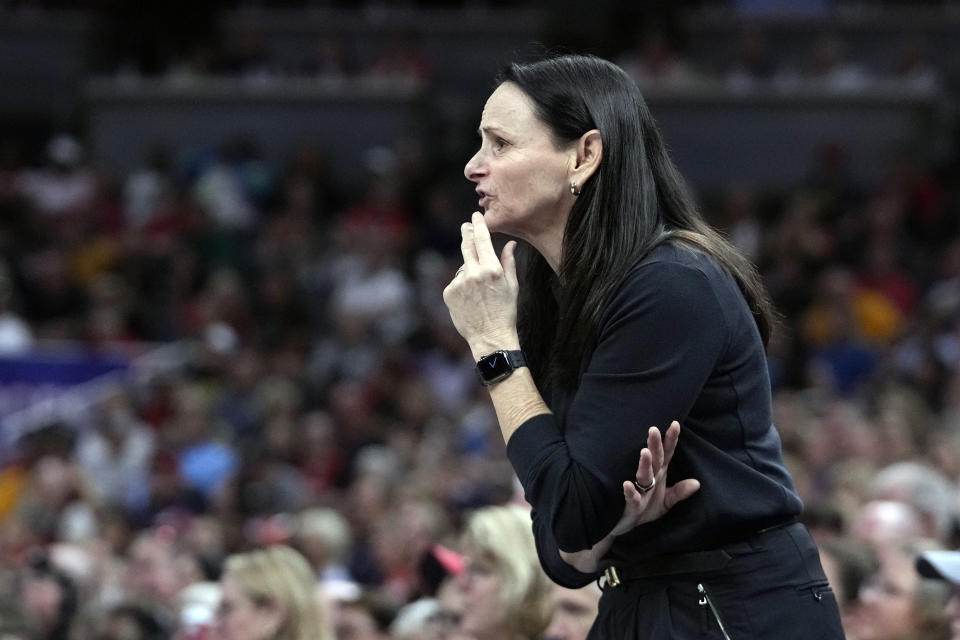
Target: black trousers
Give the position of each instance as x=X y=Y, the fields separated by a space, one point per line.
x=773 y=588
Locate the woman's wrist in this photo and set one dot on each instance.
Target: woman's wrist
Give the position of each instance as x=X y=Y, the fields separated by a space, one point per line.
x=486 y=345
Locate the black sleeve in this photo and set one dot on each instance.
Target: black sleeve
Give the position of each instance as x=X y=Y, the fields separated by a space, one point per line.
x=657 y=346
x=555 y=566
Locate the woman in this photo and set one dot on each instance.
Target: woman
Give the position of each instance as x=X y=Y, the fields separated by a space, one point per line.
x=630 y=311
x=269 y=595
x=897 y=603
x=506 y=595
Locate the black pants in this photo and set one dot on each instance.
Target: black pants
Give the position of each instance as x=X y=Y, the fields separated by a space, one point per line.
x=773 y=588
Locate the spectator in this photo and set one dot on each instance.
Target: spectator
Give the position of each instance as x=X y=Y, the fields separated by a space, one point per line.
x=929 y=494
x=366 y=617
x=653 y=61
x=48 y=598
x=574 y=611
x=65 y=186
x=204 y=462
x=269 y=594
x=151 y=573
x=324 y=538
x=505 y=592
x=115 y=454
x=899 y=604
x=882 y=522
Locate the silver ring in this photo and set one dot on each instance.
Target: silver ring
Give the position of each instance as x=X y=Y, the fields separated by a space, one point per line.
x=460 y=270
x=645 y=489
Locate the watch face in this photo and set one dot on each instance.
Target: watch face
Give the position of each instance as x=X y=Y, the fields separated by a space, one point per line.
x=494 y=366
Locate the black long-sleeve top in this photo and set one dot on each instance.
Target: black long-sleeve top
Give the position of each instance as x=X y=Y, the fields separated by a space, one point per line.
x=677 y=342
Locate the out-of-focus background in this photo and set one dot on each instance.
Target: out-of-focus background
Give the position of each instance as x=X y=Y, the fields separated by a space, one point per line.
x=224 y=231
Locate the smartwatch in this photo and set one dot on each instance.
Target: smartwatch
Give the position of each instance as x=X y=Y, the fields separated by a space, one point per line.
x=498 y=365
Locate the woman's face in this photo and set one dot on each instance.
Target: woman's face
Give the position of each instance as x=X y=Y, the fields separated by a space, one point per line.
x=522 y=178
x=239 y=618
x=484 y=613
x=888 y=610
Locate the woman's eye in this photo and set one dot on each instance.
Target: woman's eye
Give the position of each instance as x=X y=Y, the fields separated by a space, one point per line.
x=500 y=144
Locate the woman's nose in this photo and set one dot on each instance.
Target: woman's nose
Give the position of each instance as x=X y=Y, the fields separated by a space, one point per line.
x=474 y=168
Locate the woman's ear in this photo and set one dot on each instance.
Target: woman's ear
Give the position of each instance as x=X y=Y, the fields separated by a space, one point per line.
x=589 y=153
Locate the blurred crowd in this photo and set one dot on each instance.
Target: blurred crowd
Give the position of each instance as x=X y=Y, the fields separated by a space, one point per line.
x=652 y=41
x=326 y=404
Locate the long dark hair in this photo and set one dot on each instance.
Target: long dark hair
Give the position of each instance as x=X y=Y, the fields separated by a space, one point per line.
x=634 y=201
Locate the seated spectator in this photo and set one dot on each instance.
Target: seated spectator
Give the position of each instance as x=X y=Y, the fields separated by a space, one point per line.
x=928 y=492
x=832 y=67
x=574 y=611
x=48 y=599
x=151 y=575
x=324 y=538
x=368 y=616
x=65 y=186
x=115 y=455
x=505 y=591
x=754 y=66
x=653 y=61
x=270 y=595
x=899 y=604
x=204 y=462
x=402 y=58
x=883 y=522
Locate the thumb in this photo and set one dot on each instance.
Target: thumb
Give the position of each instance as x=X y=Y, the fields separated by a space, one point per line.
x=680 y=491
x=509 y=262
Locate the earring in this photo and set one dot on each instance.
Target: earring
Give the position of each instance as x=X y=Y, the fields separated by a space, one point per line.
x=574 y=189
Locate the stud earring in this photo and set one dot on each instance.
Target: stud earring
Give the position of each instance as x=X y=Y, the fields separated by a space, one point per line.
x=574 y=189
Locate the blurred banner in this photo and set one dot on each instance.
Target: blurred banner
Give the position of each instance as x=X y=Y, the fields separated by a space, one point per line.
x=40 y=388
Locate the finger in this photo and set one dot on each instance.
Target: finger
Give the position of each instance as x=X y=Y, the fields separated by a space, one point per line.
x=645 y=470
x=655 y=444
x=631 y=495
x=680 y=491
x=467 y=245
x=482 y=242
x=670 y=441
x=509 y=262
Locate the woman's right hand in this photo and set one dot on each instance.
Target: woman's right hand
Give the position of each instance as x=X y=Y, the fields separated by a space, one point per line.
x=642 y=507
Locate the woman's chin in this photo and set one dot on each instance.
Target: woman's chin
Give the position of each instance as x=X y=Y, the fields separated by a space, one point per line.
x=494 y=222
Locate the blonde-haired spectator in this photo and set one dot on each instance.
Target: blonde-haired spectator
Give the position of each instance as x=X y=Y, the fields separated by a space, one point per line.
x=506 y=594
x=323 y=535
x=269 y=594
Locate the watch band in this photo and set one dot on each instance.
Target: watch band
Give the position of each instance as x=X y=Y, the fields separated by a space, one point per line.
x=516 y=358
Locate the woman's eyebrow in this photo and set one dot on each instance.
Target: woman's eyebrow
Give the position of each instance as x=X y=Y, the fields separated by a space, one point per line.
x=488 y=130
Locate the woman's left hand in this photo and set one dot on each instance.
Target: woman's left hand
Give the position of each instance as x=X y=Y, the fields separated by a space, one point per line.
x=649 y=505
x=482 y=297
